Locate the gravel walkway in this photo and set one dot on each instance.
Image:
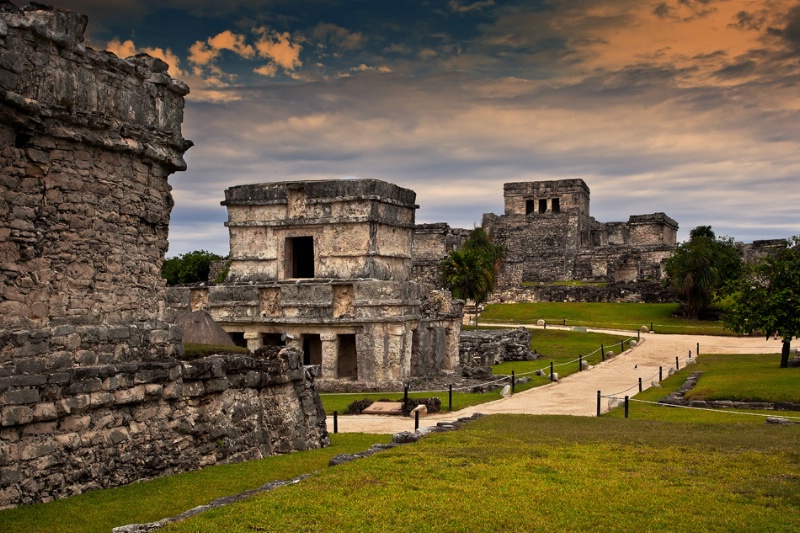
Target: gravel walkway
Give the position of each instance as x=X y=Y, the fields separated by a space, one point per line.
x=577 y=394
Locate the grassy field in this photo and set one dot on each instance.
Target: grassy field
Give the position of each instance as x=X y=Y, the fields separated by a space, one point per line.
x=663 y=468
x=526 y=473
x=153 y=500
x=601 y=315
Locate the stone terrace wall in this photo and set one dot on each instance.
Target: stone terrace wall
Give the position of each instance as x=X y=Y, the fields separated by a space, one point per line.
x=92 y=389
x=71 y=430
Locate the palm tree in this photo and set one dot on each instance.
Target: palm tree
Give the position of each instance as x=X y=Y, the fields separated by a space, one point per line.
x=471 y=272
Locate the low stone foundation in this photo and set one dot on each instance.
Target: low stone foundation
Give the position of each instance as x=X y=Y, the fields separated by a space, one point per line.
x=66 y=431
x=642 y=292
x=486 y=347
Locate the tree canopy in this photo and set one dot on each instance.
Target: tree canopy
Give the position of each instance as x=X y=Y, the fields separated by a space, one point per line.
x=767 y=298
x=700 y=269
x=191 y=267
x=471 y=272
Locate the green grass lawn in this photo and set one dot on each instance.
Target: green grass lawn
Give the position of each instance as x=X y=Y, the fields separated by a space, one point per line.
x=153 y=500
x=630 y=316
x=726 y=377
x=529 y=473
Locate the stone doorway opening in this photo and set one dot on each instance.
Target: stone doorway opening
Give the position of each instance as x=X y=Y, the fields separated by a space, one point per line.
x=312 y=349
x=347 y=362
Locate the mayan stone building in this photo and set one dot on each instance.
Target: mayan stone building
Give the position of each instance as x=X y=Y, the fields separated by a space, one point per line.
x=549 y=235
x=326 y=266
x=93 y=388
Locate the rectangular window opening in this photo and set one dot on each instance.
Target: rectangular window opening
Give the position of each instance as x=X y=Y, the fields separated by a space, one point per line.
x=299 y=257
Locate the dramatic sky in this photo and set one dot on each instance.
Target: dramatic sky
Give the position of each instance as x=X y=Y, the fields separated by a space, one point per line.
x=690 y=107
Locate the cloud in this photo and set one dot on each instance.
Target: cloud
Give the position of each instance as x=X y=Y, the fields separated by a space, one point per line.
x=460 y=7
x=790 y=33
x=279 y=48
x=204 y=53
x=338 y=37
x=128 y=48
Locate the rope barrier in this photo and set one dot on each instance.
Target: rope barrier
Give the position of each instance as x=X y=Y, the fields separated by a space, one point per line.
x=711 y=410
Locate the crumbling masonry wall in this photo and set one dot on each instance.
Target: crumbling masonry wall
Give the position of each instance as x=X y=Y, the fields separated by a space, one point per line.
x=92 y=389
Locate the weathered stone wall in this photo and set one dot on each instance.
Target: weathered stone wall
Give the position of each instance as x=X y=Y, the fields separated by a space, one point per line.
x=755 y=251
x=432 y=243
x=92 y=389
x=66 y=431
x=359 y=229
x=487 y=347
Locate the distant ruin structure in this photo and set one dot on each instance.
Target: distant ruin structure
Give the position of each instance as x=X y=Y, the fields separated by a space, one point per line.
x=94 y=390
x=549 y=235
x=326 y=267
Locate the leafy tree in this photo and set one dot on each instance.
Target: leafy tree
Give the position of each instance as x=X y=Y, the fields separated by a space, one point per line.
x=471 y=272
x=767 y=298
x=701 y=269
x=190 y=267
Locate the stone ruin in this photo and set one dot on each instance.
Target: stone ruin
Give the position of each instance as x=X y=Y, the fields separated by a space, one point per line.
x=326 y=267
x=94 y=390
x=549 y=236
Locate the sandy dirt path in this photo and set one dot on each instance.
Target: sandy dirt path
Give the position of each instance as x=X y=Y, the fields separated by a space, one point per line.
x=577 y=394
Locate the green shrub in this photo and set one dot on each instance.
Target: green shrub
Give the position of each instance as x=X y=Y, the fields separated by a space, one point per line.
x=190 y=267
x=357 y=406
x=433 y=404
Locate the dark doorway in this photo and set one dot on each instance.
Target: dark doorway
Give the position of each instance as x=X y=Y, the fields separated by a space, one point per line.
x=238 y=338
x=556 y=205
x=299 y=256
x=312 y=349
x=528 y=207
x=347 y=363
x=272 y=339
x=542 y=206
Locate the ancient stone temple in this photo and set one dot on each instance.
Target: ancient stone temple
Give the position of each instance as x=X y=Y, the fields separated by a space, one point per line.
x=325 y=266
x=94 y=391
x=549 y=235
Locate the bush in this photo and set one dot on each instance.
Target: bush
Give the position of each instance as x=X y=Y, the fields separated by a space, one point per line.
x=357 y=406
x=191 y=267
x=434 y=404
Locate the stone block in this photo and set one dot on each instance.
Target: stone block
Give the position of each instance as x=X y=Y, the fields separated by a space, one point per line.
x=76 y=424
x=45 y=411
x=41 y=428
x=101 y=399
x=27 y=380
x=15 y=415
x=153 y=390
x=85 y=386
x=21 y=396
x=216 y=385
x=193 y=388
x=127 y=396
x=36 y=450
